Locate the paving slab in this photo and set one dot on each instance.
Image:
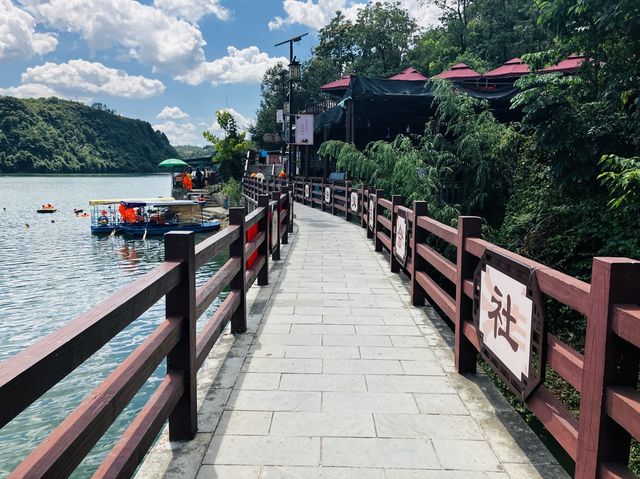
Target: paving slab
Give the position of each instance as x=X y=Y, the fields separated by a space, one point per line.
x=339 y=377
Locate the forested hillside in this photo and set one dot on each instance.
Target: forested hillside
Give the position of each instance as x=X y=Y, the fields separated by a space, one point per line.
x=186 y=152
x=58 y=136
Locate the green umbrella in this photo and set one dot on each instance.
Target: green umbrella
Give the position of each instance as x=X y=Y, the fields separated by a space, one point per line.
x=173 y=163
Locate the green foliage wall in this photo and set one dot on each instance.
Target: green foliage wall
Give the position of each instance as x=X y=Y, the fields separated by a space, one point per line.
x=58 y=136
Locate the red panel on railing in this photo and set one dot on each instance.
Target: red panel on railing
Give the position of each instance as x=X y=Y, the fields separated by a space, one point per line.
x=251 y=234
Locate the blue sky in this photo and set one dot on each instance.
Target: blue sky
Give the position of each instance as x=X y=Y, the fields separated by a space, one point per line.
x=170 y=62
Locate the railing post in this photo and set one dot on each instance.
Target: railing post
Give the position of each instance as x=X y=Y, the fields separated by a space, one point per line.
x=465 y=352
x=376 y=241
x=290 y=216
x=322 y=205
x=361 y=206
x=237 y=284
x=275 y=250
x=418 y=236
x=347 y=200
x=396 y=200
x=263 y=249
x=332 y=186
x=370 y=228
x=181 y=303
x=608 y=361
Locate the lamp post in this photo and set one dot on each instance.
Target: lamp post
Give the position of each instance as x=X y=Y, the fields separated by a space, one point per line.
x=294 y=75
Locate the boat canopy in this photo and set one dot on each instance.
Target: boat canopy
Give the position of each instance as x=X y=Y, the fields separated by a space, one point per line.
x=116 y=201
x=157 y=202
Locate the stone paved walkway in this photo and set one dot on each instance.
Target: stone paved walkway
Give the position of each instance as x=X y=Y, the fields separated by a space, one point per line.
x=339 y=377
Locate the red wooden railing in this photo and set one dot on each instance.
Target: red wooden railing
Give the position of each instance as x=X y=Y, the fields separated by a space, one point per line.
x=29 y=374
x=606 y=375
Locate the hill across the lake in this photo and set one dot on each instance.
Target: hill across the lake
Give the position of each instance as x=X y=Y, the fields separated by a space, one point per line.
x=50 y=135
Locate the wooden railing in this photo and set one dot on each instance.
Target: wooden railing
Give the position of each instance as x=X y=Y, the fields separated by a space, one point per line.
x=29 y=374
x=606 y=375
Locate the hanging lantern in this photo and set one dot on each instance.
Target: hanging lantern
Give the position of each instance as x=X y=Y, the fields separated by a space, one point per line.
x=294 y=70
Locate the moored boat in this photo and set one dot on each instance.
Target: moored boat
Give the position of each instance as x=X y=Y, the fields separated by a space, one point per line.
x=153 y=217
x=105 y=214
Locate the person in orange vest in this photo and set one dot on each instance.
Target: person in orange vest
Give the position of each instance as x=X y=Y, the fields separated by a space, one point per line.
x=187 y=184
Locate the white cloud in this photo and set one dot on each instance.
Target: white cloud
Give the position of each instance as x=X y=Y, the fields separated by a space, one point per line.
x=18 y=38
x=143 y=32
x=80 y=78
x=172 y=113
x=180 y=133
x=30 y=90
x=314 y=15
x=247 y=65
x=193 y=10
x=319 y=13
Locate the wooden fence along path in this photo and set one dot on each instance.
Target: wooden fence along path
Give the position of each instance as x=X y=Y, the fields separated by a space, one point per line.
x=606 y=375
x=24 y=378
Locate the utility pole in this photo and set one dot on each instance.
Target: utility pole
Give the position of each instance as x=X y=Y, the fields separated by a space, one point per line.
x=294 y=75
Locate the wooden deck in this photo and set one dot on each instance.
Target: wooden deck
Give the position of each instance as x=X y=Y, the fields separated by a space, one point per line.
x=338 y=376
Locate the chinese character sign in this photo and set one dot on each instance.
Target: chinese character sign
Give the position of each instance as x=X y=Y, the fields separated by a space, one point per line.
x=354 y=201
x=371 y=207
x=505 y=319
x=400 y=240
x=327 y=194
x=306 y=191
x=304 y=130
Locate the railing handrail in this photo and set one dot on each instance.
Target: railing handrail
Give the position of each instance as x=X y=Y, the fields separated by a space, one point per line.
x=605 y=375
x=33 y=371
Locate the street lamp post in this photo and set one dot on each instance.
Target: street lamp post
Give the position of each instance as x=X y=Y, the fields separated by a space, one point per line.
x=294 y=75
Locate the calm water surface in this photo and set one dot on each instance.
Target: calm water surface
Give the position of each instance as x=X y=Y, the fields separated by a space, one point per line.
x=50 y=272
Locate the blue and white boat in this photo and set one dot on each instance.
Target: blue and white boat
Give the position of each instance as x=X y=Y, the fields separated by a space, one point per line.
x=157 y=217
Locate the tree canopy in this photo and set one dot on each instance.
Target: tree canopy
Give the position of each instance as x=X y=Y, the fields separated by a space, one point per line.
x=230 y=148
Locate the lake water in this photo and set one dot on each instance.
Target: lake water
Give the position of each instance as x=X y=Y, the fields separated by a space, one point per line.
x=53 y=270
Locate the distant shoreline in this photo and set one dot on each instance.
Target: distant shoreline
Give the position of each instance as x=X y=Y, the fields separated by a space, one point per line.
x=159 y=173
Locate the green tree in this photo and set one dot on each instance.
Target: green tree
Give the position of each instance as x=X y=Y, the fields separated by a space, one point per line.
x=231 y=148
x=272 y=92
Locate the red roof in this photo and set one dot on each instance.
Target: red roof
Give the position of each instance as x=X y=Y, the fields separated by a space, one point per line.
x=409 y=74
x=568 y=65
x=341 y=84
x=513 y=68
x=460 y=71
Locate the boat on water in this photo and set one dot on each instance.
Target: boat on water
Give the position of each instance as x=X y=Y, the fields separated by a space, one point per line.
x=48 y=208
x=154 y=218
x=105 y=216
x=149 y=217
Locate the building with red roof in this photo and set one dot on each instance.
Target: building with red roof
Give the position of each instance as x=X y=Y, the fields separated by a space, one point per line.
x=410 y=74
x=337 y=85
x=568 y=65
x=459 y=71
x=510 y=69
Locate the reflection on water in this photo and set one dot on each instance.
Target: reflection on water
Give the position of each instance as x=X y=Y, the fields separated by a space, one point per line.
x=52 y=270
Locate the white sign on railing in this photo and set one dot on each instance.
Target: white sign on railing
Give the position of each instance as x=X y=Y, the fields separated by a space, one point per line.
x=327 y=194
x=509 y=319
x=354 y=201
x=401 y=239
x=371 y=207
x=275 y=231
x=306 y=191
